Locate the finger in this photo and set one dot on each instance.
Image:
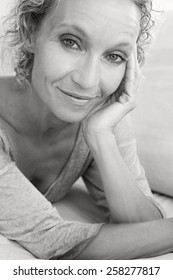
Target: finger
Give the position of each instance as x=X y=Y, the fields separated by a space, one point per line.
x=138 y=73
x=137 y=65
x=133 y=73
x=130 y=76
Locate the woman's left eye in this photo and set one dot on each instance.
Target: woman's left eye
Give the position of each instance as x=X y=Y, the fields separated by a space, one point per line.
x=116 y=58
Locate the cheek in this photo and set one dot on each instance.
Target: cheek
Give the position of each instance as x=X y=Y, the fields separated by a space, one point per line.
x=113 y=79
x=50 y=63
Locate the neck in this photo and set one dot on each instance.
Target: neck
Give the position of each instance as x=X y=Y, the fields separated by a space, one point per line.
x=37 y=118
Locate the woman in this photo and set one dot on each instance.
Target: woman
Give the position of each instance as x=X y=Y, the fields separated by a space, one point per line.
x=64 y=116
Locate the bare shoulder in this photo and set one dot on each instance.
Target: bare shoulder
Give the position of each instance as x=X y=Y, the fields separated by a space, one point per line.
x=7 y=107
x=6 y=92
x=6 y=156
x=10 y=94
x=4 y=110
x=6 y=82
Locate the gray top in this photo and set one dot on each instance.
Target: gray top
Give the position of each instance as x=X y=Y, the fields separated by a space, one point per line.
x=28 y=217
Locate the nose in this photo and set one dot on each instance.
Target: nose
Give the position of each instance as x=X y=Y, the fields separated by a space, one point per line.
x=87 y=73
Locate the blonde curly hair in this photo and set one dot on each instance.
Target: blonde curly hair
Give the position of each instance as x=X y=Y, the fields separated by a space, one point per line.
x=26 y=17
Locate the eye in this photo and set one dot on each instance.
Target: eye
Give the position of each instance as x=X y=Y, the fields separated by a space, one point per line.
x=116 y=58
x=70 y=42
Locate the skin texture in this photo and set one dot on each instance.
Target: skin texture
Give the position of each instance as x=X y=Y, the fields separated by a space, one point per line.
x=93 y=67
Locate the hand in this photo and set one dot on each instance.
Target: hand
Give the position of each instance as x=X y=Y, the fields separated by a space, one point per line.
x=104 y=119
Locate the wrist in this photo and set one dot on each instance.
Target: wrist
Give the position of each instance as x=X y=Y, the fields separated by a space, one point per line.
x=102 y=143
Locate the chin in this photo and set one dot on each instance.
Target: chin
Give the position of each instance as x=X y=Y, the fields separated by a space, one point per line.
x=71 y=117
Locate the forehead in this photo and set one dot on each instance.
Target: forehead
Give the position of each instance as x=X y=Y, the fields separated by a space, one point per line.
x=115 y=17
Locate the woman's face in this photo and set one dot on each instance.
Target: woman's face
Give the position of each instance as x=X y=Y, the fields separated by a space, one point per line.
x=81 y=51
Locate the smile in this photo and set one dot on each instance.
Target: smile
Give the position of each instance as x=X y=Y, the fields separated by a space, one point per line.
x=77 y=99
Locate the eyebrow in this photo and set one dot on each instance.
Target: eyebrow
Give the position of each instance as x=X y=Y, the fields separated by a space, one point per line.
x=125 y=44
x=75 y=27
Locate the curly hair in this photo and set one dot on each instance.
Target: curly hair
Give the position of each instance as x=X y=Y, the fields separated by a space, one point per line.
x=146 y=24
x=27 y=16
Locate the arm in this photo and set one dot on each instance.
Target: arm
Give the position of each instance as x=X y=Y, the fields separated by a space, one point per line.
x=131 y=241
x=28 y=218
x=122 y=178
x=118 y=171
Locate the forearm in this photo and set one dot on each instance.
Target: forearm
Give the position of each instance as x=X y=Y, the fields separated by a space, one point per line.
x=131 y=241
x=126 y=201
x=28 y=218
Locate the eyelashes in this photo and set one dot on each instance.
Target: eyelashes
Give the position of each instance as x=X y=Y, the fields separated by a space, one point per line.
x=71 y=42
x=74 y=43
x=117 y=58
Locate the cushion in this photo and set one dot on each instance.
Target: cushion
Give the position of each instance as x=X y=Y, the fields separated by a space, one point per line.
x=153 y=117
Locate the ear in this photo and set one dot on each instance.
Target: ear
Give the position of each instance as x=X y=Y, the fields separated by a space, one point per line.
x=30 y=43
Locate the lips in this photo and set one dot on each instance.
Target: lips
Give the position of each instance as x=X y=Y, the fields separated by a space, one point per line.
x=74 y=95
